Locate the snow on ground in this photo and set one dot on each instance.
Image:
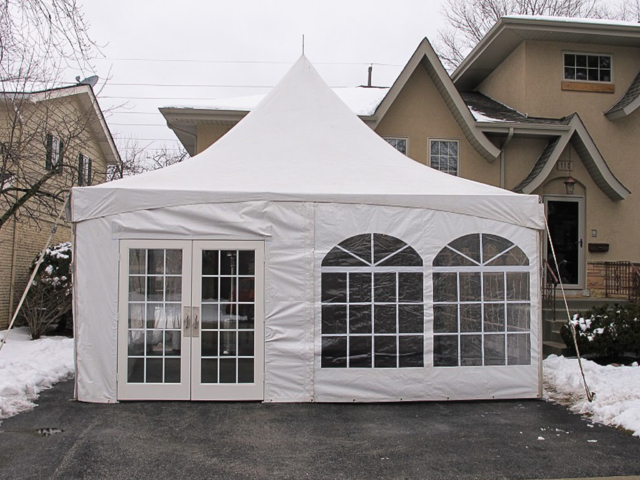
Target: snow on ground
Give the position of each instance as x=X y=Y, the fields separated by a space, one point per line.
x=617 y=389
x=27 y=367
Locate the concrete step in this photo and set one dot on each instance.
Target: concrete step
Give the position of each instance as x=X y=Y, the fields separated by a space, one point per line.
x=554 y=348
x=551 y=330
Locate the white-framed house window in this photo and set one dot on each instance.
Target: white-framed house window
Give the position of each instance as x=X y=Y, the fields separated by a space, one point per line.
x=372 y=304
x=400 y=144
x=55 y=149
x=481 y=303
x=444 y=155
x=588 y=67
x=84 y=170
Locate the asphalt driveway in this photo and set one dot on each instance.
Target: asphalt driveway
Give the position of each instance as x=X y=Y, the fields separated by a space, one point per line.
x=182 y=440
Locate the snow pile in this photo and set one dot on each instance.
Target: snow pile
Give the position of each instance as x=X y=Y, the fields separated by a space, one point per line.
x=29 y=366
x=617 y=399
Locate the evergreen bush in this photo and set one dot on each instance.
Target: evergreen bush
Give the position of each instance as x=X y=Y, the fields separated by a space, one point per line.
x=49 y=299
x=606 y=331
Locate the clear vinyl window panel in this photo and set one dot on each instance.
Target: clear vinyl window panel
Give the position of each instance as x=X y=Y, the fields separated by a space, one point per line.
x=372 y=304
x=228 y=316
x=481 y=303
x=154 y=316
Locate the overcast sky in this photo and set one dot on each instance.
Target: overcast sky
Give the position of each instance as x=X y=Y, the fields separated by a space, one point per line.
x=177 y=53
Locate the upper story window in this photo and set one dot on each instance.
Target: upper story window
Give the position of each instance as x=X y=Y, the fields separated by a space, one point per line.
x=444 y=155
x=481 y=303
x=84 y=170
x=587 y=67
x=55 y=148
x=399 y=144
x=372 y=304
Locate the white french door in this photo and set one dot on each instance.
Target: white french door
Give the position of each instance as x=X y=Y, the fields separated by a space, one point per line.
x=191 y=320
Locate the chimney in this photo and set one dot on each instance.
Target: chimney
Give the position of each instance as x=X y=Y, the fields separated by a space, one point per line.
x=370 y=72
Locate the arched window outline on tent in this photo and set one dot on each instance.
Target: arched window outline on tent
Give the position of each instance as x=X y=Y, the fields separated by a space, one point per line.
x=481 y=303
x=372 y=304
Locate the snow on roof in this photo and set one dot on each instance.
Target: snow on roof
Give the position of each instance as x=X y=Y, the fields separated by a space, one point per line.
x=595 y=21
x=480 y=117
x=361 y=100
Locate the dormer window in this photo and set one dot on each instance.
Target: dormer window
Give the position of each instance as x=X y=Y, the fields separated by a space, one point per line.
x=587 y=67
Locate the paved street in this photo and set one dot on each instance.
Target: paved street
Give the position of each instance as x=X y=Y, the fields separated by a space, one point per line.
x=458 y=440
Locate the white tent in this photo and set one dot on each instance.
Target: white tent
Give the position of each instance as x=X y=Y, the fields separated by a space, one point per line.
x=302 y=258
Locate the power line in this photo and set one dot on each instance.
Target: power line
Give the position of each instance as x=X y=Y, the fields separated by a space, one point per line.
x=248 y=62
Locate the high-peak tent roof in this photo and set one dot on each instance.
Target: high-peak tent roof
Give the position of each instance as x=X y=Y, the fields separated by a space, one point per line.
x=301 y=143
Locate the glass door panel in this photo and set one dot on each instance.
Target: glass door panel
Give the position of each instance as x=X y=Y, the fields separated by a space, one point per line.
x=191 y=320
x=154 y=281
x=228 y=354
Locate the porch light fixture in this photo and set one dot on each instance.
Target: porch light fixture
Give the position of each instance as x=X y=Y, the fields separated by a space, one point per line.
x=569 y=183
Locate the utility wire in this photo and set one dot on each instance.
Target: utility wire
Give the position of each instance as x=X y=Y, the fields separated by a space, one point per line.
x=247 y=62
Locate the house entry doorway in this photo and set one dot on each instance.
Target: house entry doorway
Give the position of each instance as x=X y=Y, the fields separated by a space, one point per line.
x=191 y=320
x=565 y=219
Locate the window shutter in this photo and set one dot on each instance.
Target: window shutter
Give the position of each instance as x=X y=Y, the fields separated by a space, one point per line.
x=60 y=156
x=48 y=164
x=80 y=170
x=89 y=171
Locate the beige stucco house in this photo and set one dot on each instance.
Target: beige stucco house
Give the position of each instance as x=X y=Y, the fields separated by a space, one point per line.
x=58 y=137
x=541 y=105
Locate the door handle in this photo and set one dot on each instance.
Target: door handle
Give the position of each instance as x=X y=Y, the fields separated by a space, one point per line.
x=186 y=321
x=196 y=321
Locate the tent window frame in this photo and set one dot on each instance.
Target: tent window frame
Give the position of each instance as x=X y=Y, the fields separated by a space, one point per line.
x=481 y=306
x=372 y=308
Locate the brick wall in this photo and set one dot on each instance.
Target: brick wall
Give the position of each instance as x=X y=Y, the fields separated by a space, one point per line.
x=596 y=279
x=30 y=241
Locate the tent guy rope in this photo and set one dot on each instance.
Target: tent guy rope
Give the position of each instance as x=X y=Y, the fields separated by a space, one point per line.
x=54 y=228
x=590 y=394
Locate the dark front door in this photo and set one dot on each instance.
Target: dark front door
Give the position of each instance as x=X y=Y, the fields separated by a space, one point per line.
x=563 y=217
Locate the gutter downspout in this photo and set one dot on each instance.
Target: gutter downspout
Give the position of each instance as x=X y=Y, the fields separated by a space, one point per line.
x=503 y=158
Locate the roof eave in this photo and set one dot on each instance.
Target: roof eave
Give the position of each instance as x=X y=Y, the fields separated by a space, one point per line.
x=596 y=165
x=426 y=56
x=507 y=34
x=98 y=123
x=623 y=112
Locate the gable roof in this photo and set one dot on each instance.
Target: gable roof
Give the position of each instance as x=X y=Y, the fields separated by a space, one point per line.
x=425 y=56
x=628 y=103
x=586 y=148
x=89 y=102
x=302 y=144
x=510 y=31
